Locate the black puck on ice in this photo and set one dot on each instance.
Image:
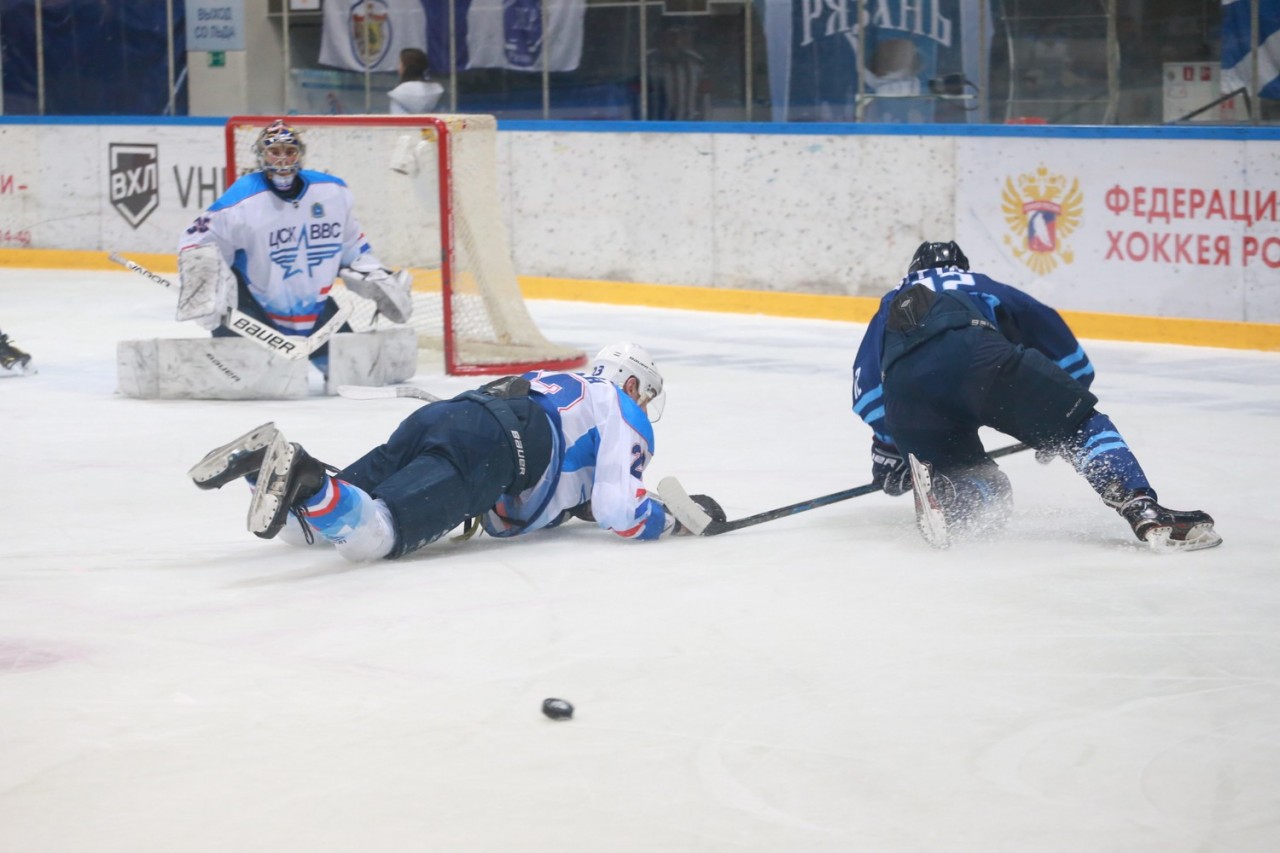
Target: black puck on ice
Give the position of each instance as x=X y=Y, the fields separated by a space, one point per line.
x=557 y=709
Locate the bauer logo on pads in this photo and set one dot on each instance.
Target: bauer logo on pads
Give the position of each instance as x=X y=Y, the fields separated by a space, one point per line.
x=134 y=174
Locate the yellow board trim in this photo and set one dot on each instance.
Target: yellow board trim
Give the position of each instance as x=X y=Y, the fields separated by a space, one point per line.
x=860 y=309
x=850 y=309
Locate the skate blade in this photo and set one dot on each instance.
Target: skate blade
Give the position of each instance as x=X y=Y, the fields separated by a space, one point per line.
x=207 y=473
x=1198 y=538
x=929 y=517
x=266 y=510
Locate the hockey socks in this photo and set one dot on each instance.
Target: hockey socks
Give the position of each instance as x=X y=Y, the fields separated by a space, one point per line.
x=357 y=525
x=1102 y=456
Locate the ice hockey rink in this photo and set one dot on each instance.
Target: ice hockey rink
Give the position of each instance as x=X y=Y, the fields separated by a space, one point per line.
x=824 y=682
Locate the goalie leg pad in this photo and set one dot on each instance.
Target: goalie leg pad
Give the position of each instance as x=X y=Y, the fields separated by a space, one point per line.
x=207 y=369
x=383 y=357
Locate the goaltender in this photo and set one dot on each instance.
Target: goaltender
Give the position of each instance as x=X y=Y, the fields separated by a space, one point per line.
x=273 y=244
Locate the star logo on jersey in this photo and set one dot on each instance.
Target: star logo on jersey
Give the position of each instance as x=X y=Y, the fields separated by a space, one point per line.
x=1042 y=210
x=304 y=254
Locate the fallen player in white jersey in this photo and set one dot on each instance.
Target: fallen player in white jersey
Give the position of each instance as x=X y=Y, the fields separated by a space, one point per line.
x=520 y=454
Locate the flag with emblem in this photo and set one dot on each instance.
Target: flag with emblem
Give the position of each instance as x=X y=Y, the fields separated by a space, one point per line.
x=513 y=34
x=360 y=34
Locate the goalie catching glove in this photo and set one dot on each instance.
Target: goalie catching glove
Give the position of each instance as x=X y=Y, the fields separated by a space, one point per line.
x=389 y=290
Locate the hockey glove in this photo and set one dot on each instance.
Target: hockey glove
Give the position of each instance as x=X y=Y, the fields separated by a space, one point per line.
x=889 y=470
x=582 y=511
x=708 y=505
x=388 y=290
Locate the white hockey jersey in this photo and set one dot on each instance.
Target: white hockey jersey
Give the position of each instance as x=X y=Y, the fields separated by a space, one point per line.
x=287 y=251
x=603 y=443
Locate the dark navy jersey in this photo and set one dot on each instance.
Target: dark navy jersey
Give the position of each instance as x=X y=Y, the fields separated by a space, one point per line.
x=1020 y=318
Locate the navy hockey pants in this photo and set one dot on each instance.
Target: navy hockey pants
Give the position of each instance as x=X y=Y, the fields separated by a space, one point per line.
x=446 y=462
x=938 y=395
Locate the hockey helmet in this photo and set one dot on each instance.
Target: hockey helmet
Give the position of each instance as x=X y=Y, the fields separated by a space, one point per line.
x=280 y=151
x=933 y=255
x=619 y=362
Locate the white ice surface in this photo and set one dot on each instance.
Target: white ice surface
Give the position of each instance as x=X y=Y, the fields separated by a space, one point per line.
x=825 y=682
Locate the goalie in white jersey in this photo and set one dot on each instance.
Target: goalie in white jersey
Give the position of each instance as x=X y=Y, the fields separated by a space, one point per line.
x=523 y=453
x=273 y=244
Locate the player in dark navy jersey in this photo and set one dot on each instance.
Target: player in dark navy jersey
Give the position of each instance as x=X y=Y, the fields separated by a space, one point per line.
x=950 y=351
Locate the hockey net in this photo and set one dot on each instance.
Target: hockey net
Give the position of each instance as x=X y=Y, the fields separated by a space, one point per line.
x=426 y=195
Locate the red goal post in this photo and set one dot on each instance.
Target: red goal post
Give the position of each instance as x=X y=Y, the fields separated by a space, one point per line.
x=426 y=195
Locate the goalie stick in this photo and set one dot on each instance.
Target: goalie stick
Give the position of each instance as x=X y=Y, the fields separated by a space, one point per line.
x=286 y=346
x=384 y=392
x=700 y=523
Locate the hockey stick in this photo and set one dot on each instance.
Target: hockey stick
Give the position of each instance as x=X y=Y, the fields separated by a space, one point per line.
x=288 y=346
x=700 y=523
x=385 y=392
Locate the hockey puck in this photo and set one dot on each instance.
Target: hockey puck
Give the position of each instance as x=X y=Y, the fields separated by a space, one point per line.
x=557 y=709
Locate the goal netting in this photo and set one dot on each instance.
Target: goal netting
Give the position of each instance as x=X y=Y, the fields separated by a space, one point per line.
x=426 y=195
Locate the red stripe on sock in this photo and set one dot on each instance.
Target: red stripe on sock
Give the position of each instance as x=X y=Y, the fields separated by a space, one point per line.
x=335 y=494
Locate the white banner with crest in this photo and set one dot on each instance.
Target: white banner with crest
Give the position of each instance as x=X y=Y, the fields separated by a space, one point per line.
x=360 y=34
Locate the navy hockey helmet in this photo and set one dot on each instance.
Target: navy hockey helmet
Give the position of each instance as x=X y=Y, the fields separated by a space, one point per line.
x=932 y=255
x=280 y=151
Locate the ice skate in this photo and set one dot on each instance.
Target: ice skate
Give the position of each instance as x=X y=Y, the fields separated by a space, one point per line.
x=241 y=457
x=929 y=517
x=1167 y=530
x=13 y=361
x=288 y=478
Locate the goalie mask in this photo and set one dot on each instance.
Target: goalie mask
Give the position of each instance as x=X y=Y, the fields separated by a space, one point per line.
x=934 y=255
x=620 y=362
x=280 y=151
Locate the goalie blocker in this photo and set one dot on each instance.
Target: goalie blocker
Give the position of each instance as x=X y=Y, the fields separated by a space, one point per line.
x=239 y=369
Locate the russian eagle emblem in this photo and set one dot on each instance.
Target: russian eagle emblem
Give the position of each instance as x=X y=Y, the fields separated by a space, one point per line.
x=1042 y=210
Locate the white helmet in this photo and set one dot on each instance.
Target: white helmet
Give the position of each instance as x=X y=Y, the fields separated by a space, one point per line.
x=619 y=362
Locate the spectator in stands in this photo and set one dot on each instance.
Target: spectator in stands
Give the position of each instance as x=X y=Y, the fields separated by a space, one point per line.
x=415 y=93
x=678 y=86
